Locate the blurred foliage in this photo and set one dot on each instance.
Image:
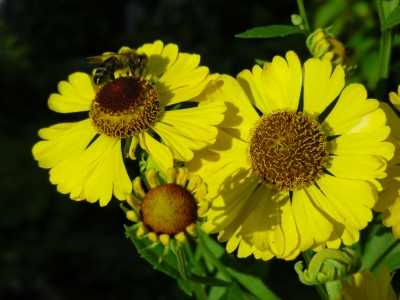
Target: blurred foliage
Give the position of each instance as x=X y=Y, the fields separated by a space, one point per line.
x=55 y=248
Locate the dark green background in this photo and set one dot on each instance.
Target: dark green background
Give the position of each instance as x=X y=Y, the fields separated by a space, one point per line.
x=50 y=246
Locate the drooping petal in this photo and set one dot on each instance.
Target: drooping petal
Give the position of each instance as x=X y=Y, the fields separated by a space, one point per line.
x=391 y=217
x=395 y=98
x=226 y=155
x=313 y=227
x=228 y=205
x=94 y=174
x=357 y=212
x=76 y=94
x=62 y=142
x=160 y=153
x=180 y=145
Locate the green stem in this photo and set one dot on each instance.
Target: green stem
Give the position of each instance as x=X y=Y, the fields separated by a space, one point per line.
x=180 y=257
x=189 y=252
x=214 y=260
x=200 y=293
x=385 y=53
x=334 y=287
x=307 y=255
x=303 y=15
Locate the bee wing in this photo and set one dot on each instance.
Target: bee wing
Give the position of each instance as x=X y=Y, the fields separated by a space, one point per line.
x=100 y=58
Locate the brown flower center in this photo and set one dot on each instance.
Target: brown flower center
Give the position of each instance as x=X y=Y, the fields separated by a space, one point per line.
x=169 y=209
x=287 y=149
x=125 y=107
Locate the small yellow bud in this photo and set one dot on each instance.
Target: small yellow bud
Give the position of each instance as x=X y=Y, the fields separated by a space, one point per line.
x=194 y=182
x=132 y=148
x=132 y=202
x=133 y=216
x=182 y=177
x=164 y=239
x=142 y=230
x=137 y=188
x=153 y=237
x=180 y=237
x=191 y=229
x=201 y=192
x=171 y=175
x=151 y=177
x=204 y=208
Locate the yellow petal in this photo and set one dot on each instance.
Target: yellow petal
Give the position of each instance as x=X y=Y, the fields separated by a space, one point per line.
x=63 y=141
x=363 y=144
x=393 y=121
x=171 y=95
x=252 y=86
x=160 y=58
x=357 y=167
x=183 y=72
x=352 y=111
x=234 y=239
x=228 y=204
x=76 y=94
x=353 y=198
x=180 y=145
x=95 y=173
x=320 y=88
x=196 y=123
x=225 y=158
x=160 y=153
x=395 y=99
x=244 y=250
x=282 y=81
x=313 y=227
x=391 y=217
x=240 y=115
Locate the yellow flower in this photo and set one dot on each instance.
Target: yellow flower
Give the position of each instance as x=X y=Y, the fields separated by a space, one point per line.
x=389 y=198
x=364 y=286
x=85 y=157
x=296 y=159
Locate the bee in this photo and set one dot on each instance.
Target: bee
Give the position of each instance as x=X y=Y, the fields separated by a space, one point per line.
x=109 y=63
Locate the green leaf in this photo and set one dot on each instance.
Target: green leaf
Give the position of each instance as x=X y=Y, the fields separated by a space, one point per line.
x=381 y=248
x=187 y=287
x=233 y=293
x=388 y=7
x=270 y=31
x=169 y=264
x=329 y=12
x=252 y=283
x=393 y=19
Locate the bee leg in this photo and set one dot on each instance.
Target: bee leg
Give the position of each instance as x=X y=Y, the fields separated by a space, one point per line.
x=141 y=70
x=131 y=68
x=112 y=69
